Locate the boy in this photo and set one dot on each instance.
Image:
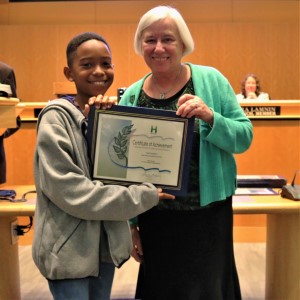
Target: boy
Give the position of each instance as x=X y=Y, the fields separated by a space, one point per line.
x=81 y=232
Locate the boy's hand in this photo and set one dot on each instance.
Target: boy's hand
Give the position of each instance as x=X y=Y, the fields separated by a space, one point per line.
x=162 y=195
x=137 y=251
x=100 y=102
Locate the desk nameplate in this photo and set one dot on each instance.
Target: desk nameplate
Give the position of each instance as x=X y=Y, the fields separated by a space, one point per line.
x=262 y=110
x=271 y=108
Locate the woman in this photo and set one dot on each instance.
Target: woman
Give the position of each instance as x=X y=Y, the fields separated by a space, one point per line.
x=186 y=244
x=251 y=89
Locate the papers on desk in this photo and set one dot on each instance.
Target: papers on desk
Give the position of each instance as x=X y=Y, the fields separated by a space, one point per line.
x=258 y=177
x=255 y=191
x=260 y=181
x=5 y=90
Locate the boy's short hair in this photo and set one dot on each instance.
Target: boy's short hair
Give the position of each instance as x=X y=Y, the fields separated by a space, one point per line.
x=78 y=40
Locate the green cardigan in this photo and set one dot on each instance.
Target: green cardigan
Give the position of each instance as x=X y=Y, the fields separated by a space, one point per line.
x=231 y=132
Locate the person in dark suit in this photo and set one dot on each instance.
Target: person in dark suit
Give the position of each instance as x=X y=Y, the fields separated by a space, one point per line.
x=7 y=76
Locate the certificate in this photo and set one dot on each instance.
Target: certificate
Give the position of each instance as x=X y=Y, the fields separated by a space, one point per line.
x=131 y=145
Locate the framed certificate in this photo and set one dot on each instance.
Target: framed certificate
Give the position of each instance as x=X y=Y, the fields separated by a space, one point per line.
x=131 y=145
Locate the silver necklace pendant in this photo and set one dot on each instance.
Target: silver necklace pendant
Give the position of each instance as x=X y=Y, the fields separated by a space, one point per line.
x=163 y=94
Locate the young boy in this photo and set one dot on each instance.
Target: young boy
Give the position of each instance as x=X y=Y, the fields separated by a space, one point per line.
x=81 y=232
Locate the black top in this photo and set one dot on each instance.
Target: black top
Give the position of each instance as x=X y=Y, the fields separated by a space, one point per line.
x=191 y=200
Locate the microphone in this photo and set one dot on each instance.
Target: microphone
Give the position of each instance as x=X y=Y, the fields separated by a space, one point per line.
x=293 y=182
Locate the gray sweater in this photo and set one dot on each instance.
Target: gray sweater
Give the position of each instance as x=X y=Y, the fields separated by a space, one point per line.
x=72 y=210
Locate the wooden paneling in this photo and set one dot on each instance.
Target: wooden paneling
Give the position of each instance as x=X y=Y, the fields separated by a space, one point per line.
x=262 y=10
x=234 y=36
x=38 y=55
x=237 y=49
x=275 y=149
x=89 y=12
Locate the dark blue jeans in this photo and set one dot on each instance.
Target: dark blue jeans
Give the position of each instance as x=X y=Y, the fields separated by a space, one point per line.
x=89 y=288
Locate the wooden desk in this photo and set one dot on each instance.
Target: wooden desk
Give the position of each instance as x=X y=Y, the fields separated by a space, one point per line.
x=10 y=108
x=276 y=140
x=282 y=251
x=271 y=109
x=282 y=244
x=9 y=258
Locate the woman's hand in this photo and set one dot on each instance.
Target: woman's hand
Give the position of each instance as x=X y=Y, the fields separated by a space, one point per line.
x=191 y=105
x=137 y=251
x=251 y=95
x=101 y=102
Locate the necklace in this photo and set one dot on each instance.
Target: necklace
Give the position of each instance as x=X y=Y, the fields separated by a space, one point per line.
x=163 y=94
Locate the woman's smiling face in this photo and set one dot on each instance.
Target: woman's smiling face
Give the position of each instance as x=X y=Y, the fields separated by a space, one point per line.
x=162 y=46
x=250 y=85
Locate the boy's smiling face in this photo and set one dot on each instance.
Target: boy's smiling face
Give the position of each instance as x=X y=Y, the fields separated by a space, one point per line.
x=91 y=70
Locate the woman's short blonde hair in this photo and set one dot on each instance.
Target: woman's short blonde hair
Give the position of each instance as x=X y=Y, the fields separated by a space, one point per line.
x=159 y=13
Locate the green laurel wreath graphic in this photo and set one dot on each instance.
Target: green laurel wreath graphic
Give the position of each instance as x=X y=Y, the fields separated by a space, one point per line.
x=121 y=142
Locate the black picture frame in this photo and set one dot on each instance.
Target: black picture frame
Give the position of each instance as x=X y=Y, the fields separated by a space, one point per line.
x=157 y=150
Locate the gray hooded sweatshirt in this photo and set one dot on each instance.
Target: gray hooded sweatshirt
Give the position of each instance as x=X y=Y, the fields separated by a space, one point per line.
x=73 y=211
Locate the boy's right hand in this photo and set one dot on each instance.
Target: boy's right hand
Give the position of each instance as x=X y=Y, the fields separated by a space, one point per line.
x=162 y=195
x=100 y=102
x=137 y=251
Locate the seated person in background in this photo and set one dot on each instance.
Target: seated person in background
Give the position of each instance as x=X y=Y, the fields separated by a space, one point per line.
x=7 y=76
x=250 y=89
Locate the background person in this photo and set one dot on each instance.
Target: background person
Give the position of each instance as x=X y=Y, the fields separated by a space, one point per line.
x=7 y=76
x=251 y=89
x=186 y=245
x=80 y=232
